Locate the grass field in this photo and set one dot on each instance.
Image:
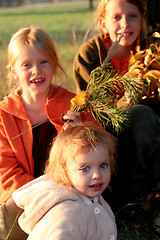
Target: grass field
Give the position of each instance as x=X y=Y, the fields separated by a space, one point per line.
x=62 y=21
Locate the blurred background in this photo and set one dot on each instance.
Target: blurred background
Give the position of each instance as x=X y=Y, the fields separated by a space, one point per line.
x=67 y=21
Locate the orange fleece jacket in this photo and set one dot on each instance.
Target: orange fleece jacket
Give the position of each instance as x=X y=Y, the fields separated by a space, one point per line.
x=16 y=139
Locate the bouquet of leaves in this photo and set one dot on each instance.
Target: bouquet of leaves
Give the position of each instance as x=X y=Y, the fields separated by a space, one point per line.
x=145 y=64
x=103 y=96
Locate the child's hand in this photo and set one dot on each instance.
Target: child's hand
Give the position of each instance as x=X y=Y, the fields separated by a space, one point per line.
x=71 y=118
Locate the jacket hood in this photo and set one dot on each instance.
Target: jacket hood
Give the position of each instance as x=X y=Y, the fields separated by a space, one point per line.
x=13 y=104
x=38 y=197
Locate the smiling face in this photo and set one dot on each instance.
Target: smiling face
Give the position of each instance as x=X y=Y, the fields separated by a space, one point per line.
x=122 y=16
x=89 y=172
x=34 y=71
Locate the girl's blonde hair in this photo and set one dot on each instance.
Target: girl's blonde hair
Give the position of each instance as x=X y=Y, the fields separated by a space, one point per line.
x=140 y=4
x=82 y=137
x=34 y=37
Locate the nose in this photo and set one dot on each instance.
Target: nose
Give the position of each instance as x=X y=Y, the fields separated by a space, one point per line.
x=36 y=69
x=124 y=22
x=96 y=174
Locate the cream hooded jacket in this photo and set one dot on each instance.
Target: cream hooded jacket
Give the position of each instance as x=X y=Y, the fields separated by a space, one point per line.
x=55 y=212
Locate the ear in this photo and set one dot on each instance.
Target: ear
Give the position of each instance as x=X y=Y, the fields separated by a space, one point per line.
x=13 y=73
x=103 y=25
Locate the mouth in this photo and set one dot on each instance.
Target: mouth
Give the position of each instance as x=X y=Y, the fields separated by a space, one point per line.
x=96 y=186
x=125 y=34
x=37 y=80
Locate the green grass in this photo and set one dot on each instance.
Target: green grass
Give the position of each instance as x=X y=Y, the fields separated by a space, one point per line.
x=60 y=20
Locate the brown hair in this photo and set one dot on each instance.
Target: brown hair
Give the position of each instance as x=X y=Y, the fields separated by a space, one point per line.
x=68 y=143
x=36 y=37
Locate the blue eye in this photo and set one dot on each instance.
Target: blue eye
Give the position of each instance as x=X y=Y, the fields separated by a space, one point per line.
x=85 y=168
x=104 y=165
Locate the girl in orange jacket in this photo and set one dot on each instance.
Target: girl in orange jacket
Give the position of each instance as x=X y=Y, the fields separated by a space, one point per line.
x=29 y=117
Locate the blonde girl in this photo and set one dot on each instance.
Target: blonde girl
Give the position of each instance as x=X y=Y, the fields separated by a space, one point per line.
x=70 y=205
x=30 y=117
